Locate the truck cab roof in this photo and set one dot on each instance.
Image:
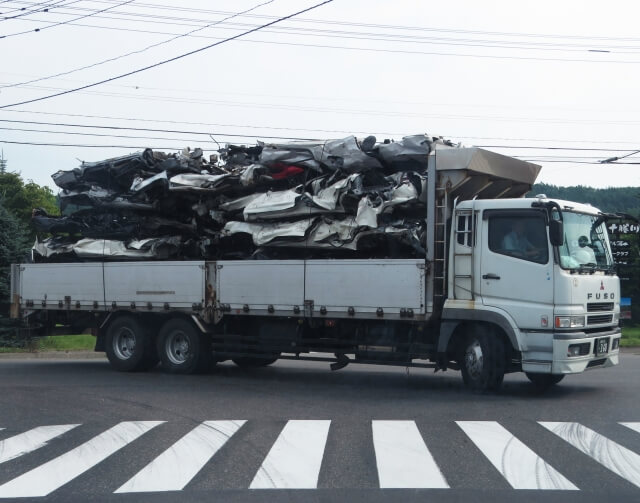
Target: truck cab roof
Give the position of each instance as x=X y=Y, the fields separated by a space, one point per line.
x=525 y=203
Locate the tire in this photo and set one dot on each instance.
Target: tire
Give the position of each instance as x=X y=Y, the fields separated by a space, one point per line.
x=183 y=349
x=128 y=345
x=254 y=361
x=483 y=360
x=544 y=380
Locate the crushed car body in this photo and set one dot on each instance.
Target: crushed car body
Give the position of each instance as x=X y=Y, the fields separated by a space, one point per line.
x=340 y=197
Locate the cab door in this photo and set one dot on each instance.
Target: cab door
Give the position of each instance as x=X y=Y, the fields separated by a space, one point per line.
x=518 y=281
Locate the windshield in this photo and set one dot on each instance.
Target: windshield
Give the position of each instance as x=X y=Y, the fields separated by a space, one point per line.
x=586 y=243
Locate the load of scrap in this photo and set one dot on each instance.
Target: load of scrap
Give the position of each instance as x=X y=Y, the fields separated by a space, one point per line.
x=345 y=198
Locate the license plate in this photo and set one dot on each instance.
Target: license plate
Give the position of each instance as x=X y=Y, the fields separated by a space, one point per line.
x=602 y=346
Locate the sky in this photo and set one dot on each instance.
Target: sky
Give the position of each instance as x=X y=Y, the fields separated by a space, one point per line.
x=555 y=83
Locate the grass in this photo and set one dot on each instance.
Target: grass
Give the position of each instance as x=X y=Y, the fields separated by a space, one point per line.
x=67 y=343
x=57 y=343
x=630 y=336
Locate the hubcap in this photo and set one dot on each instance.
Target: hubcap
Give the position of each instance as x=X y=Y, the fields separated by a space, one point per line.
x=177 y=348
x=124 y=343
x=473 y=359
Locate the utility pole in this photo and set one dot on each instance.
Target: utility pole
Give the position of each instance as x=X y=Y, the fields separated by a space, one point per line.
x=3 y=163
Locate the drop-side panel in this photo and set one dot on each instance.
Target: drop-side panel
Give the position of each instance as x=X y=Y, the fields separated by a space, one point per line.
x=259 y=284
x=181 y=284
x=366 y=286
x=67 y=283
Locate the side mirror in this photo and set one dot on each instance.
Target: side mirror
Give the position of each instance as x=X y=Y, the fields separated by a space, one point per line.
x=556 y=232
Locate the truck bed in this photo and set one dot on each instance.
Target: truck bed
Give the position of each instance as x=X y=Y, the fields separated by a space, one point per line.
x=379 y=288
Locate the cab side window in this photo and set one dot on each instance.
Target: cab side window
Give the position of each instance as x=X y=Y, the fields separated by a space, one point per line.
x=519 y=236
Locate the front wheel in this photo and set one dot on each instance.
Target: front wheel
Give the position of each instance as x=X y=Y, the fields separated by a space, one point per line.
x=182 y=348
x=544 y=380
x=483 y=360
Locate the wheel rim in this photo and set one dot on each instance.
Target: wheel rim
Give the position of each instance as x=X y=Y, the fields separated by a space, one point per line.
x=474 y=359
x=124 y=343
x=177 y=347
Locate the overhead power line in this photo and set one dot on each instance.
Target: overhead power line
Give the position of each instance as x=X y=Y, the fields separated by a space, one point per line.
x=154 y=130
x=376 y=112
x=170 y=59
x=78 y=145
x=557 y=148
x=66 y=22
x=77 y=133
x=262 y=136
x=380 y=50
x=378 y=35
x=343 y=131
x=377 y=27
x=155 y=147
x=138 y=51
x=41 y=7
x=385 y=50
x=612 y=160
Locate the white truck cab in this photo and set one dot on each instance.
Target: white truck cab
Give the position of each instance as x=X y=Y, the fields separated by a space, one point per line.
x=558 y=303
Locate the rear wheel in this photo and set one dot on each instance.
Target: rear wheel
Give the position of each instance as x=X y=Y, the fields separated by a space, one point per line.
x=544 y=380
x=129 y=346
x=183 y=349
x=483 y=360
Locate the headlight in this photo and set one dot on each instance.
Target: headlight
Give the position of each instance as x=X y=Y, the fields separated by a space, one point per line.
x=616 y=317
x=615 y=344
x=569 y=321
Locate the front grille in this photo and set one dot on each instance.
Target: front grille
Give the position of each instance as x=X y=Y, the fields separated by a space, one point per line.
x=592 y=307
x=595 y=363
x=600 y=318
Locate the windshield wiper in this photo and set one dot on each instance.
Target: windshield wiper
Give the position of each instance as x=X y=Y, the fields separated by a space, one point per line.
x=588 y=267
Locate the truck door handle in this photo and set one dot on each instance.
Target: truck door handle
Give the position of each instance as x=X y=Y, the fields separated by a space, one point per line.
x=490 y=276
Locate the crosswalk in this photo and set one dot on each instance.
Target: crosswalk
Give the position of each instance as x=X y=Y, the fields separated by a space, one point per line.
x=295 y=460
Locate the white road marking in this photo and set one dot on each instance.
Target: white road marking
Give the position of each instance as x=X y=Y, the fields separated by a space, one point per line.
x=633 y=426
x=31 y=440
x=608 y=453
x=402 y=457
x=174 y=468
x=522 y=467
x=295 y=458
x=50 y=476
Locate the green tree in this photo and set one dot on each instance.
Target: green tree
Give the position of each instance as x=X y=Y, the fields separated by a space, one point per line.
x=13 y=247
x=611 y=200
x=20 y=198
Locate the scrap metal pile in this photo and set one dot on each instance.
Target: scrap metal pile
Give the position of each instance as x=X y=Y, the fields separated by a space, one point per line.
x=335 y=199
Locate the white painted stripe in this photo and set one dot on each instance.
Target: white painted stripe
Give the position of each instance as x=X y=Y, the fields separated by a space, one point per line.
x=633 y=426
x=174 y=468
x=608 y=453
x=522 y=467
x=50 y=476
x=295 y=458
x=403 y=459
x=31 y=440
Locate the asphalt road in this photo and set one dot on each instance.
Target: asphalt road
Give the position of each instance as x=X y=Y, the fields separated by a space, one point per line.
x=75 y=430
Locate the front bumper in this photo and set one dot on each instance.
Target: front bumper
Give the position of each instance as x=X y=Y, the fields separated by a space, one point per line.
x=548 y=352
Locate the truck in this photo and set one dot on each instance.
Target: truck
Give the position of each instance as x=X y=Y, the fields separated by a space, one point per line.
x=507 y=284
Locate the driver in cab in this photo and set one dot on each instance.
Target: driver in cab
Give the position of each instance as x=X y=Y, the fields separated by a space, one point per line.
x=516 y=242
